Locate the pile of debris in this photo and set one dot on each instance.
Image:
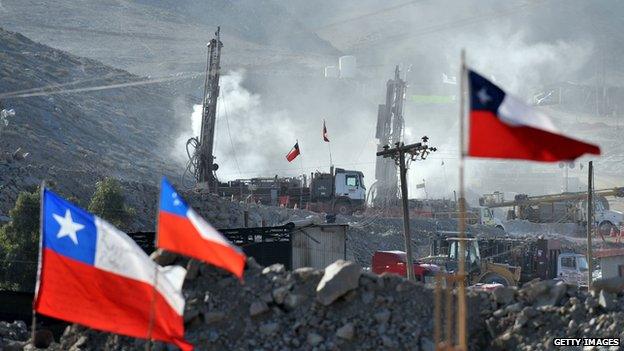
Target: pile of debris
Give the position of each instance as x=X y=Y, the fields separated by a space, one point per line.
x=13 y=335
x=346 y=308
x=529 y=318
x=339 y=308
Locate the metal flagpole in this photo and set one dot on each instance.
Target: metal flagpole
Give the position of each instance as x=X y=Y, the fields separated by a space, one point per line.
x=41 y=219
x=331 y=163
x=461 y=298
x=152 y=315
x=302 y=177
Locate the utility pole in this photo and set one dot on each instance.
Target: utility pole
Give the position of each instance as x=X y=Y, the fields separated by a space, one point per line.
x=389 y=131
x=415 y=151
x=590 y=221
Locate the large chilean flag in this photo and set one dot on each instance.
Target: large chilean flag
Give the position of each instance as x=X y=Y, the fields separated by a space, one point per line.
x=95 y=275
x=502 y=126
x=182 y=230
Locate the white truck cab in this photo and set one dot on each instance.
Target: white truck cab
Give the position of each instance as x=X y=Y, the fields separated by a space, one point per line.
x=606 y=219
x=572 y=268
x=486 y=217
x=349 y=184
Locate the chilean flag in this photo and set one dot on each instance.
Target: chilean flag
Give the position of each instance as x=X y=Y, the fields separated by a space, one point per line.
x=293 y=153
x=502 y=126
x=182 y=230
x=95 y=275
x=325 y=138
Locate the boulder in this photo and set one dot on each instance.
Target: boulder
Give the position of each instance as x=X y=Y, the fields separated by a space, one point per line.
x=257 y=308
x=339 y=278
x=346 y=332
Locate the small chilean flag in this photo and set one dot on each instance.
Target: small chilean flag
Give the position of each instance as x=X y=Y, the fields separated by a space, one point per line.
x=325 y=132
x=501 y=126
x=182 y=230
x=293 y=153
x=93 y=274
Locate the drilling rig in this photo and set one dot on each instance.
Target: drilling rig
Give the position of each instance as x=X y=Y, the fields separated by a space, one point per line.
x=202 y=164
x=390 y=123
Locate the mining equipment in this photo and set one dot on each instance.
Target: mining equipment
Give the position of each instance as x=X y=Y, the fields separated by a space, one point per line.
x=510 y=261
x=339 y=191
x=201 y=158
x=390 y=123
x=570 y=207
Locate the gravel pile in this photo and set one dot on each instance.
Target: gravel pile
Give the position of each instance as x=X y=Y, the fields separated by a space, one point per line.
x=339 y=308
x=13 y=335
x=529 y=318
x=346 y=308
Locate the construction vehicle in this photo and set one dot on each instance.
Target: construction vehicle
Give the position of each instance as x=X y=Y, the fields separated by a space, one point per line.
x=395 y=262
x=510 y=261
x=339 y=191
x=475 y=215
x=568 y=207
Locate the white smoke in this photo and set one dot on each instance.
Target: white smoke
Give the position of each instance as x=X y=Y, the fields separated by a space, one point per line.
x=246 y=134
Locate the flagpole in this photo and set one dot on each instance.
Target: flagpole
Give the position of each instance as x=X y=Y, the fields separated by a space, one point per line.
x=461 y=299
x=302 y=177
x=331 y=163
x=37 y=282
x=152 y=315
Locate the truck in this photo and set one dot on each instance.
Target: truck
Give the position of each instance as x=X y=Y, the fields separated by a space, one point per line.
x=569 y=207
x=339 y=191
x=510 y=261
x=396 y=262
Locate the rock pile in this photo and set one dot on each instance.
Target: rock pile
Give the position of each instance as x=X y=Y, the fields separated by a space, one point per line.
x=529 y=318
x=339 y=308
x=13 y=335
x=346 y=308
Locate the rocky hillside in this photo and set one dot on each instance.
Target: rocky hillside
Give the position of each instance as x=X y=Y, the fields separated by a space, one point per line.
x=157 y=36
x=76 y=138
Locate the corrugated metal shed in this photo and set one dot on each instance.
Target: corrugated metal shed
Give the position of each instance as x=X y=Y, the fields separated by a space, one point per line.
x=318 y=245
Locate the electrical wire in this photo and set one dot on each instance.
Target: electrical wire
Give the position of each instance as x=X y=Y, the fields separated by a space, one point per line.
x=147 y=81
x=227 y=123
x=445 y=26
x=366 y=15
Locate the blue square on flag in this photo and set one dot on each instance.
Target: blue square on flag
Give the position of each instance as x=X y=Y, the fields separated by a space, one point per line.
x=68 y=230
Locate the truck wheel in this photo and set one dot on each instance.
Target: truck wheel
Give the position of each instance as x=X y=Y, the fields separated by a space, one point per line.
x=605 y=228
x=492 y=278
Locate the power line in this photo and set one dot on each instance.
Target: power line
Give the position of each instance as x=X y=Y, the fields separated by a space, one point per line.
x=448 y=25
x=366 y=15
x=227 y=123
x=147 y=81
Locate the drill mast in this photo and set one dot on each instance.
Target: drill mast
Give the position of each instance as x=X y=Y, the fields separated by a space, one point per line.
x=206 y=166
x=390 y=126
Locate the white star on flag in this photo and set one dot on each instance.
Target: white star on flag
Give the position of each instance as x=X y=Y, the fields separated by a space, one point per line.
x=483 y=96
x=68 y=226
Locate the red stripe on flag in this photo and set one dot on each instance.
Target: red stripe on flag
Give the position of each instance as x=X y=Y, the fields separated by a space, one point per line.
x=77 y=292
x=490 y=137
x=293 y=153
x=177 y=234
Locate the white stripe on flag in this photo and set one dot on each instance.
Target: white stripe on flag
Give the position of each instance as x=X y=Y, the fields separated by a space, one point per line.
x=117 y=253
x=514 y=112
x=204 y=228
